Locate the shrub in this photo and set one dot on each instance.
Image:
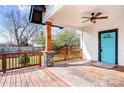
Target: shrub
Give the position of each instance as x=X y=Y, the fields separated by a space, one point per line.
x=24 y=60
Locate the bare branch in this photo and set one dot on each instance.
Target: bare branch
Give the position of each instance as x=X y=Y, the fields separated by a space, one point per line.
x=17 y=25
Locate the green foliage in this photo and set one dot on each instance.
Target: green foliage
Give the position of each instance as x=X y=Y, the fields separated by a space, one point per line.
x=67 y=37
x=23 y=42
x=39 y=38
x=24 y=60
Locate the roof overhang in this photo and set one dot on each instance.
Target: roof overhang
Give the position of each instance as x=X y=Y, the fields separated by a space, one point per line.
x=36 y=13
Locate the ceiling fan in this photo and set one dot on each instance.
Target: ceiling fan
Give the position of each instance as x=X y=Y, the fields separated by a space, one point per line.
x=94 y=17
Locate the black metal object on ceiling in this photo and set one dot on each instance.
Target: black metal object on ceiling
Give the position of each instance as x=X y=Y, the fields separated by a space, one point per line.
x=36 y=15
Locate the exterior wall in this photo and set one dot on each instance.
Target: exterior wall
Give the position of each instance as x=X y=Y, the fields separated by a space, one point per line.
x=90 y=33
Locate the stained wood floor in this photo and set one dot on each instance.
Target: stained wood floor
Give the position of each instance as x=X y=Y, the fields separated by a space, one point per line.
x=79 y=73
x=30 y=77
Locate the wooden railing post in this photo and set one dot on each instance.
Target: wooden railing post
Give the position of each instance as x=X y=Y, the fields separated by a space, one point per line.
x=66 y=53
x=39 y=59
x=4 y=58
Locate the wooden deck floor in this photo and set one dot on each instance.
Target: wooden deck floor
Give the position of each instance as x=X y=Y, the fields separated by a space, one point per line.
x=30 y=77
x=80 y=74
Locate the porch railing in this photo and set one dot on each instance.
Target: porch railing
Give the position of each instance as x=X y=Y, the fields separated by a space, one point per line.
x=9 y=61
x=66 y=54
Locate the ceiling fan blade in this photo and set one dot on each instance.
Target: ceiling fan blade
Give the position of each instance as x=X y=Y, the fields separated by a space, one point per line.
x=85 y=21
x=105 y=17
x=98 y=14
x=86 y=17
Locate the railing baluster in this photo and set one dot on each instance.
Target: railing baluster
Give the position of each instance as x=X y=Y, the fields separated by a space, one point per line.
x=16 y=60
x=17 y=56
x=12 y=61
x=37 y=59
x=33 y=58
x=9 y=61
x=29 y=59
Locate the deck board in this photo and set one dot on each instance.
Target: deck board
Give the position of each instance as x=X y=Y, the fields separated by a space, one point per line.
x=8 y=79
x=2 y=81
x=29 y=77
x=36 y=80
x=47 y=80
x=18 y=79
x=12 y=82
x=84 y=74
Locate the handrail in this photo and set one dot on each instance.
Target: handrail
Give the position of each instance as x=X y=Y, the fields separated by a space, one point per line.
x=7 y=53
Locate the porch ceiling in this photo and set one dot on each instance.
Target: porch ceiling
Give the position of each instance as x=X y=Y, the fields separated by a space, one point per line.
x=70 y=15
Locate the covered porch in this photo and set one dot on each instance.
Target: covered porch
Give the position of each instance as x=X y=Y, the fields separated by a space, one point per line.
x=65 y=73
x=94 y=46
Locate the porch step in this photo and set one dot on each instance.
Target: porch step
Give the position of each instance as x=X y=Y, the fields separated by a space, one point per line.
x=104 y=65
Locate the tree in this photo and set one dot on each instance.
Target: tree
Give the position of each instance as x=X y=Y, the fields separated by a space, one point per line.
x=39 y=38
x=67 y=37
x=17 y=26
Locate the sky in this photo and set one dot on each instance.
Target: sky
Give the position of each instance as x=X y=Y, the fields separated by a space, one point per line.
x=24 y=9
x=3 y=8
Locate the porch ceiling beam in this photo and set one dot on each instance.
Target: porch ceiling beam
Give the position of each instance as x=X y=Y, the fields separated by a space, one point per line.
x=53 y=25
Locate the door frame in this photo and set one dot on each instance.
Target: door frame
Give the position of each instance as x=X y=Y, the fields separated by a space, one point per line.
x=116 y=43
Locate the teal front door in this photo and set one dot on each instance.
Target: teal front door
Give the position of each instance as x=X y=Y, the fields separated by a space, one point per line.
x=108 y=47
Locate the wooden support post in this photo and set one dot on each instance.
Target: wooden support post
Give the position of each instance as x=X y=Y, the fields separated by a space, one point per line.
x=4 y=59
x=48 y=53
x=48 y=36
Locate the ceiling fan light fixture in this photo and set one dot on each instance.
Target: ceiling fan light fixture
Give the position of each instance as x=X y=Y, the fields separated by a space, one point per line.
x=95 y=16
